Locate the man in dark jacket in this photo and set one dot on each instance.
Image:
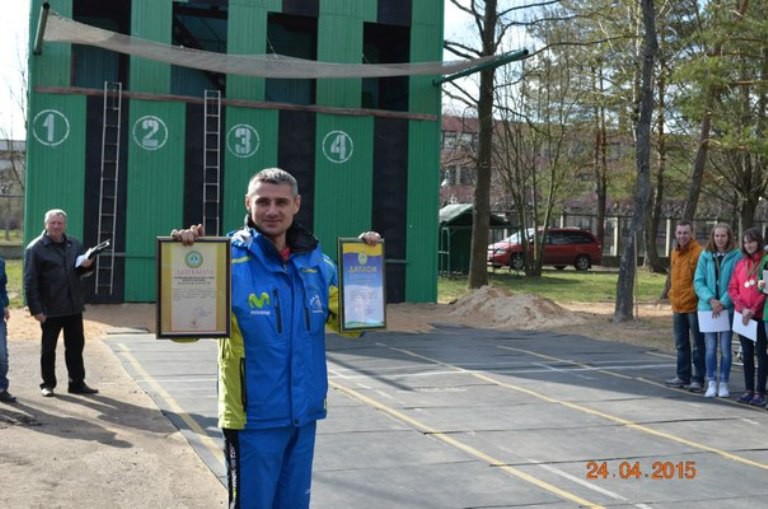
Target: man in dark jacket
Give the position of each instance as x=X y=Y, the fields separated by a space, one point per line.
x=54 y=263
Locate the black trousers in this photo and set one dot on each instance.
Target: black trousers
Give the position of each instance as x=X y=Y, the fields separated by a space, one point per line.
x=74 y=342
x=749 y=350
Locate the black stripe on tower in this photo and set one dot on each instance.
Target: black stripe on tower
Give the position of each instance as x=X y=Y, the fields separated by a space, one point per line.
x=309 y=8
x=194 y=158
x=193 y=166
x=394 y=12
x=92 y=197
x=296 y=155
x=390 y=192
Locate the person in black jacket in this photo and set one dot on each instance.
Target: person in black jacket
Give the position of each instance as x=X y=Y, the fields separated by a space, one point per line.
x=54 y=264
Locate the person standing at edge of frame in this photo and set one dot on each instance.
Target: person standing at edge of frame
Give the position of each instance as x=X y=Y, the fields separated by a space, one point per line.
x=713 y=273
x=54 y=264
x=5 y=396
x=273 y=379
x=682 y=297
x=749 y=300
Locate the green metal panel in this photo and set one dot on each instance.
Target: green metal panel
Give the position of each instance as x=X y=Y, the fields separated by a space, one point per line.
x=55 y=175
x=269 y=5
x=423 y=205
x=426 y=43
x=339 y=39
x=248 y=19
x=365 y=10
x=155 y=188
x=251 y=145
x=426 y=12
x=151 y=20
x=343 y=189
x=423 y=157
x=52 y=67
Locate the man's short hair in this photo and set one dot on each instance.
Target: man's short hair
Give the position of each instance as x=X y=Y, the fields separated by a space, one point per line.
x=54 y=212
x=274 y=176
x=685 y=222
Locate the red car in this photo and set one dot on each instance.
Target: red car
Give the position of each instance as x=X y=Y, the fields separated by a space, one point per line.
x=562 y=247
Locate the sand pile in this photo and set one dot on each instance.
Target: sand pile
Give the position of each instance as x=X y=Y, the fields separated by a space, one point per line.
x=496 y=308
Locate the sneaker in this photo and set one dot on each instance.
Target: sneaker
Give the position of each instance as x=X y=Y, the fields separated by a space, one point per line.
x=82 y=389
x=711 y=389
x=758 y=400
x=722 y=390
x=47 y=392
x=676 y=382
x=695 y=386
x=6 y=397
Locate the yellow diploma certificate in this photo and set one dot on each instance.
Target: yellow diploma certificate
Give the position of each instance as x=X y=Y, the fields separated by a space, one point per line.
x=193 y=292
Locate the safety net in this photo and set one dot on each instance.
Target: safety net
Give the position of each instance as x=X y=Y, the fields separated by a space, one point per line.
x=62 y=29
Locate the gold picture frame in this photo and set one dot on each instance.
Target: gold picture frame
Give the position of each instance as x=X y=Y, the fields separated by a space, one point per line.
x=193 y=288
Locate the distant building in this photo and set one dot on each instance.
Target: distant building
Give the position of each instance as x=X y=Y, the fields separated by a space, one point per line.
x=458 y=146
x=12 y=153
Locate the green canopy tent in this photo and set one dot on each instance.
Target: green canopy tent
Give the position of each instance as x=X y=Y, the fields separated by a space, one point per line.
x=456 y=237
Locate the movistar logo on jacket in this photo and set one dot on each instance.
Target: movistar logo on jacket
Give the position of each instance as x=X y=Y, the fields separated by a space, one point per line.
x=256 y=303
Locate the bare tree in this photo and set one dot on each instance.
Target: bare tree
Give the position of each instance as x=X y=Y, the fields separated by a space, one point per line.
x=488 y=19
x=711 y=98
x=628 y=263
x=653 y=214
x=12 y=150
x=536 y=150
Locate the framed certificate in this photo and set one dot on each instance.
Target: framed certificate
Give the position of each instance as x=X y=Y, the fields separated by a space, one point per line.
x=362 y=287
x=193 y=288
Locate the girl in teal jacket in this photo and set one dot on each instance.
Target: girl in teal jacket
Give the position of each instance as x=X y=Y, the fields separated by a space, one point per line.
x=710 y=282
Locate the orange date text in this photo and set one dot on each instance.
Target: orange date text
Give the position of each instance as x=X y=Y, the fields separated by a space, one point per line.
x=657 y=470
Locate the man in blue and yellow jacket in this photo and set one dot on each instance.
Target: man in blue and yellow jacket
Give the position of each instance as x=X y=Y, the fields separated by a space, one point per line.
x=272 y=370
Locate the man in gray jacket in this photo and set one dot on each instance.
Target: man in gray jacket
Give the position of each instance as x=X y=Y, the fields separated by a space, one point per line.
x=54 y=263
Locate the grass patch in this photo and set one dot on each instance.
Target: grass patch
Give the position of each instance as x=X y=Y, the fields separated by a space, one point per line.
x=15 y=282
x=560 y=286
x=15 y=237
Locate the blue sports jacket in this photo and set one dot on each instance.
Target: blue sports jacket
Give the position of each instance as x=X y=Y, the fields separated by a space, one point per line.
x=706 y=284
x=272 y=368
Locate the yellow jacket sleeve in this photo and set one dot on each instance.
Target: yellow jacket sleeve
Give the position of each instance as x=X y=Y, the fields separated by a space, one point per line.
x=333 y=322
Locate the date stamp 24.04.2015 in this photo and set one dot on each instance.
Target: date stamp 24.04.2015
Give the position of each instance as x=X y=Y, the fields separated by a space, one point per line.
x=655 y=470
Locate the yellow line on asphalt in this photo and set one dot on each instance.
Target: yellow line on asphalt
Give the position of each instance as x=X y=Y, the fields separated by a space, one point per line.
x=208 y=442
x=587 y=410
x=464 y=447
x=626 y=377
x=579 y=364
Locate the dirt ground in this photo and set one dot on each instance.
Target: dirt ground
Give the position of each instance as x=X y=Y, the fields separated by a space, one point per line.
x=487 y=307
x=117 y=450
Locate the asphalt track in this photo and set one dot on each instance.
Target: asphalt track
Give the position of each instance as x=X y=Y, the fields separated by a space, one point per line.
x=468 y=418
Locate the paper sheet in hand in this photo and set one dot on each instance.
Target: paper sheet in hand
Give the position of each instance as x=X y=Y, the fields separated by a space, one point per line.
x=748 y=331
x=708 y=323
x=97 y=249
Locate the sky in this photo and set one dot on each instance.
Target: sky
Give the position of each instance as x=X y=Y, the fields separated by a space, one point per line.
x=14 y=28
x=14 y=31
